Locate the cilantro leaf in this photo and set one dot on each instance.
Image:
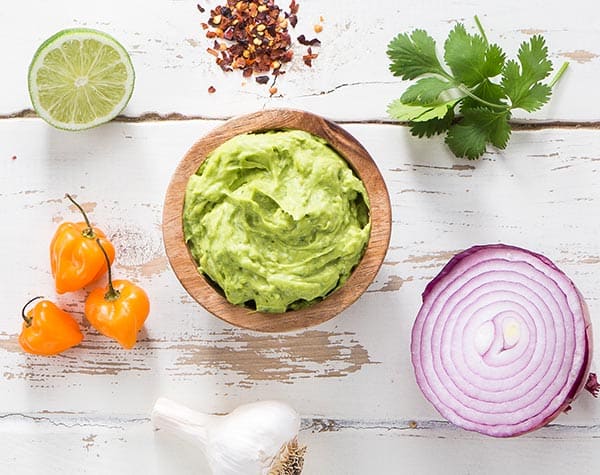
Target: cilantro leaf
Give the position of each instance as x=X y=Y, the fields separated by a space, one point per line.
x=466 y=140
x=407 y=112
x=432 y=127
x=536 y=97
x=521 y=81
x=478 y=127
x=426 y=91
x=493 y=62
x=497 y=127
x=513 y=84
x=533 y=57
x=413 y=55
x=470 y=58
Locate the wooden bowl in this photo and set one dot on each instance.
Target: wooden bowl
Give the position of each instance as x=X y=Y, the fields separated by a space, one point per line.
x=199 y=288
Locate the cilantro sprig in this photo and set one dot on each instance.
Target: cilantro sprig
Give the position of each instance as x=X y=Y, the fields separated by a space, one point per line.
x=471 y=97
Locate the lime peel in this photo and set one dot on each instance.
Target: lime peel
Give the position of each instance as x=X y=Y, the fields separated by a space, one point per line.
x=80 y=78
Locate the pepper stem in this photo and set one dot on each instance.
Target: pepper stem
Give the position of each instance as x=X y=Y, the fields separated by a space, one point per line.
x=88 y=232
x=27 y=319
x=112 y=293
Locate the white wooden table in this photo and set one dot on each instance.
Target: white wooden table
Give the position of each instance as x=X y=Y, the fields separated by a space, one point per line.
x=87 y=411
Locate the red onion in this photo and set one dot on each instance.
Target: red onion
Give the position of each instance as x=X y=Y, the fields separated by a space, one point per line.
x=502 y=343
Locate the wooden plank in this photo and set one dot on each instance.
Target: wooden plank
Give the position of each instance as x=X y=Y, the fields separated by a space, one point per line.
x=348 y=81
x=541 y=193
x=83 y=443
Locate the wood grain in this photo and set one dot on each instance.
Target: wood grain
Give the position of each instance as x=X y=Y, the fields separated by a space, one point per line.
x=87 y=410
x=349 y=80
x=73 y=443
x=541 y=193
x=199 y=288
x=351 y=375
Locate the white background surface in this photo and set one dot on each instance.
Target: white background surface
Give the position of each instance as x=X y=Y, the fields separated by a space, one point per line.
x=87 y=411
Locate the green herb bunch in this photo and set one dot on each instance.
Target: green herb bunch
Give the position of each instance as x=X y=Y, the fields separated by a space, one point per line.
x=484 y=106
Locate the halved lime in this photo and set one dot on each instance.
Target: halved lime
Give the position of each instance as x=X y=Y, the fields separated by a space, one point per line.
x=80 y=78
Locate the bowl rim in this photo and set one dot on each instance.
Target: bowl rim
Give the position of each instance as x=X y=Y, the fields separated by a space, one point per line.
x=357 y=157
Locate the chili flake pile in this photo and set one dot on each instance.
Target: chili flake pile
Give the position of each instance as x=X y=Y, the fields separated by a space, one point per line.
x=253 y=36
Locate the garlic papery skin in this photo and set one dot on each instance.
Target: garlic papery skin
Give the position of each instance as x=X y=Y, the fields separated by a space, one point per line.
x=255 y=439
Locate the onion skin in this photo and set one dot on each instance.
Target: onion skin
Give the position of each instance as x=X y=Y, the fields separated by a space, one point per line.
x=465 y=372
x=592 y=385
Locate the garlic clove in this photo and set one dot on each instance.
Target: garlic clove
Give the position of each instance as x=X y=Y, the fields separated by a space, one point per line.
x=255 y=439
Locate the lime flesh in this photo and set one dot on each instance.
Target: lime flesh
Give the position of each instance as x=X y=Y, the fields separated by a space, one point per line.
x=80 y=78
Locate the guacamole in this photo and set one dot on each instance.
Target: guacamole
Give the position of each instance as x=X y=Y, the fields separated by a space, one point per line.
x=277 y=220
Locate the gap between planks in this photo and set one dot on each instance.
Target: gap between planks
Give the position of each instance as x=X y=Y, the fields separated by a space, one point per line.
x=176 y=116
x=400 y=428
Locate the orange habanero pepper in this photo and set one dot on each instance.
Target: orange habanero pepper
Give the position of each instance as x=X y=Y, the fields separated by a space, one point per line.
x=119 y=310
x=75 y=258
x=48 y=330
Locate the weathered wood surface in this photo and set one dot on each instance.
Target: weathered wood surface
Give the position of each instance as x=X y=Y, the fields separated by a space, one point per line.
x=86 y=411
x=78 y=443
x=348 y=81
x=541 y=193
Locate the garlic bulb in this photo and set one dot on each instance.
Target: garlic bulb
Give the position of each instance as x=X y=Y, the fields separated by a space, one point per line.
x=255 y=439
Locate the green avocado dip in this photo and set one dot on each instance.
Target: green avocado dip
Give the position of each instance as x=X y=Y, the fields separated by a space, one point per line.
x=277 y=220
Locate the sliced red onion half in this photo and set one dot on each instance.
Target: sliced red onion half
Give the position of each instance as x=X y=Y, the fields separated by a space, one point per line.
x=502 y=343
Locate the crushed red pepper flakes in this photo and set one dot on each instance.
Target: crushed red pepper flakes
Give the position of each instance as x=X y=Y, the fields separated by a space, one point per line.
x=294 y=7
x=307 y=58
x=14 y=157
x=211 y=90
x=255 y=37
x=303 y=41
x=200 y=8
x=273 y=90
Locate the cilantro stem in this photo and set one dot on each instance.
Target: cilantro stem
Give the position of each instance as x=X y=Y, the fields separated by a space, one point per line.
x=558 y=74
x=481 y=30
x=465 y=89
x=445 y=75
